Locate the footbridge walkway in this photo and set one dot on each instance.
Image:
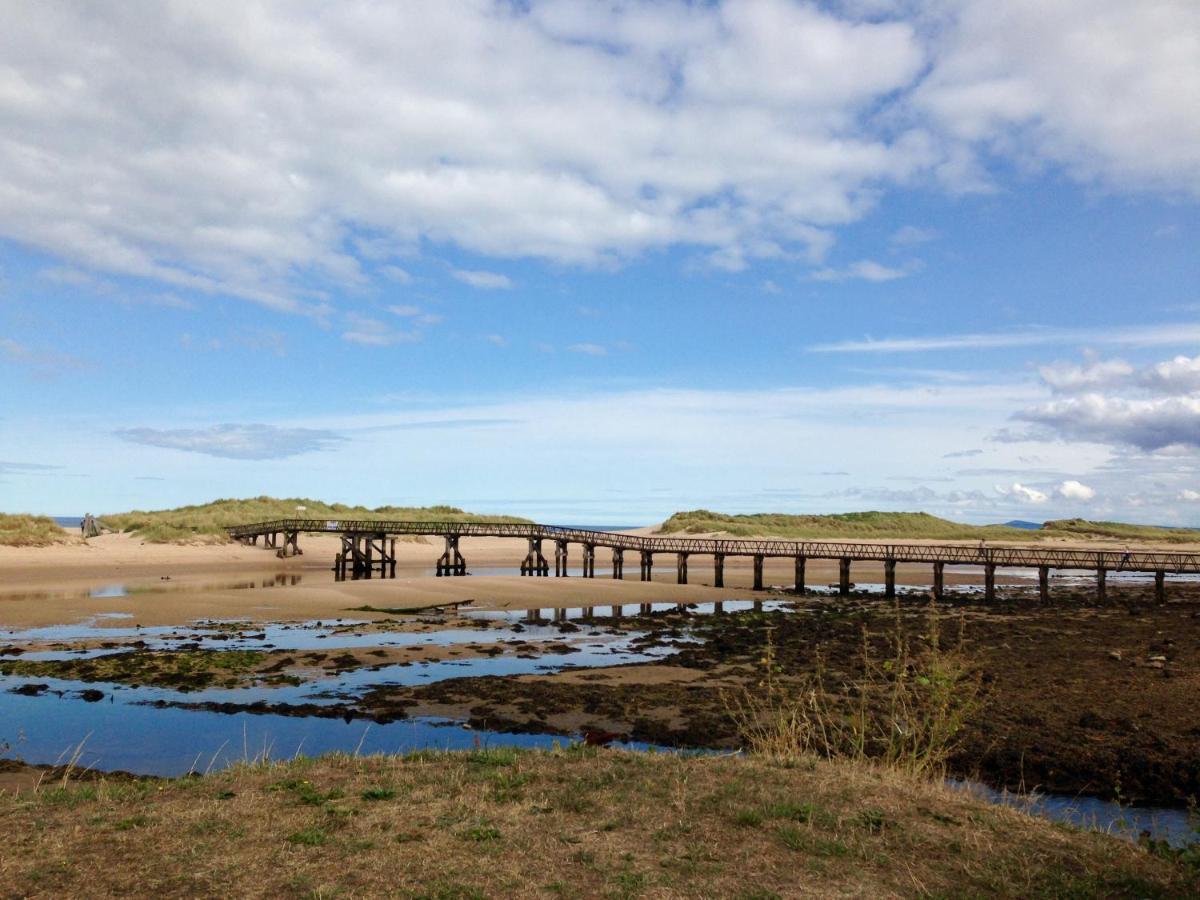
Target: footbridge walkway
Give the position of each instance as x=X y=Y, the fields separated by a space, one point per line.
x=369 y=548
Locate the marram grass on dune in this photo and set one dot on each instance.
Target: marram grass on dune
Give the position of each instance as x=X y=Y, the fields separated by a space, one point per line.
x=876 y=525
x=208 y=521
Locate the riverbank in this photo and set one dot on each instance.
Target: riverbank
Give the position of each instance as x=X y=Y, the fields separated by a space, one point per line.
x=576 y=823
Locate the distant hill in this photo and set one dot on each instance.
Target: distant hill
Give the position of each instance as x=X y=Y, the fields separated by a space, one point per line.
x=208 y=521
x=911 y=525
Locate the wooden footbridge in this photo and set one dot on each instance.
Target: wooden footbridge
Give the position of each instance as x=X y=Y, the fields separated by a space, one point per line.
x=369 y=549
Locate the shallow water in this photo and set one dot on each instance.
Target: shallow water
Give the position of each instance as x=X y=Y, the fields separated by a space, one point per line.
x=124 y=731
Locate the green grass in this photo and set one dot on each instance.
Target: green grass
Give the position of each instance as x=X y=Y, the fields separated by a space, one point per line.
x=908 y=526
x=22 y=530
x=208 y=521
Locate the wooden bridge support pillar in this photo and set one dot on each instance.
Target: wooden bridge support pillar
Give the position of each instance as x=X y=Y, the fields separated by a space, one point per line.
x=844 y=576
x=1043 y=584
x=647 y=565
x=618 y=563
x=451 y=562
x=719 y=607
x=1160 y=587
x=644 y=609
x=758 y=573
x=534 y=564
x=719 y=570
x=617 y=611
x=1101 y=585
x=939 y=580
x=291 y=544
x=989 y=582
x=560 y=559
x=889 y=578
x=589 y=560
x=681 y=562
x=800 y=563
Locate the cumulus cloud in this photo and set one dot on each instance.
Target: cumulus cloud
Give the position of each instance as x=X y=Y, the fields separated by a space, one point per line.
x=1148 y=424
x=236 y=441
x=1074 y=490
x=1021 y=492
x=1189 y=495
x=1112 y=402
x=273 y=145
x=1067 y=377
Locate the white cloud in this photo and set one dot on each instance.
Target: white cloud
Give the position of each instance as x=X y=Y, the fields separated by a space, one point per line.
x=588 y=349
x=1021 y=492
x=1148 y=424
x=248 y=149
x=866 y=270
x=254 y=441
x=1074 y=490
x=1189 y=495
x=1131 y=336
x=1180 y=375
x=488 y=281
x=1107 y=89
x=1068 y=378
x=911 y=236
x=368 y=332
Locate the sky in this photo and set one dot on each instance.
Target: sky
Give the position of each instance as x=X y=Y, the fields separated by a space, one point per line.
x=596 y=262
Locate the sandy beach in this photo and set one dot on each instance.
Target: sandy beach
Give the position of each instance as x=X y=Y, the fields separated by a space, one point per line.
x=167 y=584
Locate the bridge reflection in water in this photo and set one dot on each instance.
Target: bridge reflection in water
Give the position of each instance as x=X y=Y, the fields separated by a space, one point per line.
x=369 y=549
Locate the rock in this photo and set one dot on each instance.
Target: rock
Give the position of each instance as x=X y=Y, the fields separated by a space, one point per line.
x=1157 y=659
x=1114 y=654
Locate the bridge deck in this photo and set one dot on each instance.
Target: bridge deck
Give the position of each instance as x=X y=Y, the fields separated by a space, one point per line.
x=950 y=554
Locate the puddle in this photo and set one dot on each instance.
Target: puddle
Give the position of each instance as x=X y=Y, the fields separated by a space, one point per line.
x=1092 y=814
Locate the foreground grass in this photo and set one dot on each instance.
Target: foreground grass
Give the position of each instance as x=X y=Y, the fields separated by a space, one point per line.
x=208 y=521
x=568 y=823
x=29 y=531
x=907 y=526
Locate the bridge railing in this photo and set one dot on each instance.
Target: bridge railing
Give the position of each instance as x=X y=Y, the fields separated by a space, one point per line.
x=951 y=554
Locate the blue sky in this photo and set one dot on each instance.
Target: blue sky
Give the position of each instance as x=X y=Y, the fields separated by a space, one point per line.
x=599 y=262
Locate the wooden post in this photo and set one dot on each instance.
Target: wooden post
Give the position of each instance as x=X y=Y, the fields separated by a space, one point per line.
x=889 y=578
x=560 y=559
x=844 y=576
x=989 y=582
x=618 y=563
x=1044 y=584
x=758 y=572
x=617 y=611
x=681 y=561
x=1101 y=585
x=939 y=580
x=1160 y=587
x=800 y=563
x=589 y=560
x=644 y=609
x=647 y=565
x=719 y=570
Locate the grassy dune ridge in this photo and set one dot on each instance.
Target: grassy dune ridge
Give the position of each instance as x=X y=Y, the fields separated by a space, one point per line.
x=208 y=521
x=573 y=822
x=22 y=530
x=909 y=525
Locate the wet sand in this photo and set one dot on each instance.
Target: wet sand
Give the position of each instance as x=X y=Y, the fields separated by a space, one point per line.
x=173 y=584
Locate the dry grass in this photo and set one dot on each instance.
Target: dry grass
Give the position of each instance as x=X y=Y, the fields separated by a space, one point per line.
x=569 y=823
x=906 y=710
x=29 y=531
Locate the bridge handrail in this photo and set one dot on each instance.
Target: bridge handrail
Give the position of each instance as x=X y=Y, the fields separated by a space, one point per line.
x=954 y=554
